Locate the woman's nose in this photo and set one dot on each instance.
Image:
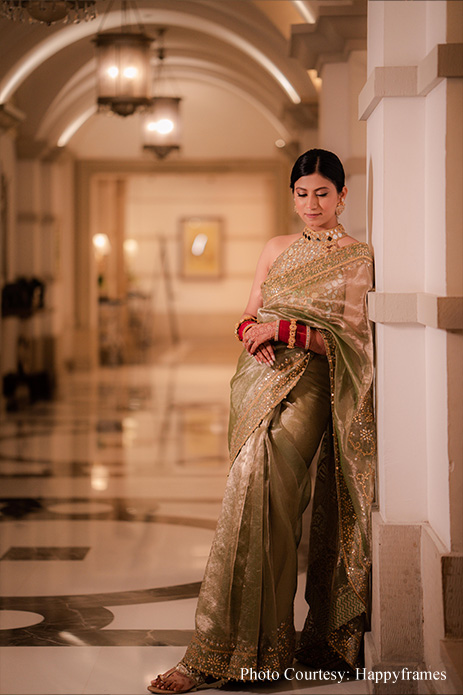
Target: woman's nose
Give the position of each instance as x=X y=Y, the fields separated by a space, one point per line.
x=312 y=201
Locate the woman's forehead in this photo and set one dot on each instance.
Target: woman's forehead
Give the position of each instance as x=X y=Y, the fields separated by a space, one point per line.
x=313 y=181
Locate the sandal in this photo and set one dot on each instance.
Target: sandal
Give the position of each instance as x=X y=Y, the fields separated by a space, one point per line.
x=200 y=680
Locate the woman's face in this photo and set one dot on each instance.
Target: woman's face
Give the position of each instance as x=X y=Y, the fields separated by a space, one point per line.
x=316 y=199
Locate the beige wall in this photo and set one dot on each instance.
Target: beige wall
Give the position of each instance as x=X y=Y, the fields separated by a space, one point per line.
x=251 y=198
x=9 y=326
x=243 y=203
x=341 y=131
x=39 y=243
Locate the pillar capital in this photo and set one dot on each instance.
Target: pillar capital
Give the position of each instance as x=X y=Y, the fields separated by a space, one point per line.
x=339 y=30
x=10 y=117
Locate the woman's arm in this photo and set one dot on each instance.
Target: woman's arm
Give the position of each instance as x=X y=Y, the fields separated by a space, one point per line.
x=266 y=259
x=257 y=338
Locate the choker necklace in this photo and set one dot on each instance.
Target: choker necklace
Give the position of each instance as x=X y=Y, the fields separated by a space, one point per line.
x=325 y=235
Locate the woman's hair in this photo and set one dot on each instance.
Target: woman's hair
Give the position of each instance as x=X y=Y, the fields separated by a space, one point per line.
x=321 y=162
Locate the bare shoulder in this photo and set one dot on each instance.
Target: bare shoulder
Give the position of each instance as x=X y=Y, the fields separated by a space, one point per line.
x=278 y=244
x=282 y=241
x=347 y=240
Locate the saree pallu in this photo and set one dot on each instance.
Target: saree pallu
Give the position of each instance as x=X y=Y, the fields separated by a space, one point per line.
x=278 y=416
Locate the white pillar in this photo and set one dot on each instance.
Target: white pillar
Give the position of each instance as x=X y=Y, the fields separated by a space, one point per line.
x=411 y=103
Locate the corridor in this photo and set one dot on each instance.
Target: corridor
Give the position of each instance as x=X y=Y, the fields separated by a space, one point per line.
x=124 y=228
x=109 y=500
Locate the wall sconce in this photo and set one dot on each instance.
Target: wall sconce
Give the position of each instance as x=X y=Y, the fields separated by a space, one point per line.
x=101 y=250
x=101 y=245
x=130 y=247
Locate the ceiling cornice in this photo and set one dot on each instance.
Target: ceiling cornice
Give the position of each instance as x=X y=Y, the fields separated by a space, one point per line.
x=10 y=117
x=339 y=30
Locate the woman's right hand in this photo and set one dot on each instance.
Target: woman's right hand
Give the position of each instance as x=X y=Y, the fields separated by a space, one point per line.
x=256 y=341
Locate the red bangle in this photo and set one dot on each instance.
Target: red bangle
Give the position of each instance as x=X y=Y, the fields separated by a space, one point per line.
x=301 y=333
x=242 y=322
x=243 y=326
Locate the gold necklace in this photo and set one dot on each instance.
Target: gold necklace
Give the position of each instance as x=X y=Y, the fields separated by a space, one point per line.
x=325 y=236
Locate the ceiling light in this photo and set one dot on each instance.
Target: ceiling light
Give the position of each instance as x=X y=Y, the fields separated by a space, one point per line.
x=48 y=11
x=161 y=131
x=123 y=67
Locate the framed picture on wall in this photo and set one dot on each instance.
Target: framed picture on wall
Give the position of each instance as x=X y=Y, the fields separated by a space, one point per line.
x=201 y=240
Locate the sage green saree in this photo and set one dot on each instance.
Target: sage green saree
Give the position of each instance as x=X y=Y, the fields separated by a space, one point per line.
x=278 y=417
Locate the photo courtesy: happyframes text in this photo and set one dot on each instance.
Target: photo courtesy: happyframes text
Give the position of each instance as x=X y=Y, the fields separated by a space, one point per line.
x=291 y=674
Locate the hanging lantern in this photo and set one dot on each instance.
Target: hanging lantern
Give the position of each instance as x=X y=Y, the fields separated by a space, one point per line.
x=162 y=125
x=123 y=71
x=48 y=11
x=161 y=131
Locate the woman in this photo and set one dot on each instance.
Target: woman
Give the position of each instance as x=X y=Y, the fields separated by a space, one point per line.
x=304 y=377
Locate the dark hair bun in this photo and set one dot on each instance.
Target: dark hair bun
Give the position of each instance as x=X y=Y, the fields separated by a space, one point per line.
x=321 y=162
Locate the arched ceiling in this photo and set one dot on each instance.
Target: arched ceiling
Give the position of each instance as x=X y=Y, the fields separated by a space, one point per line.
x=240 y=46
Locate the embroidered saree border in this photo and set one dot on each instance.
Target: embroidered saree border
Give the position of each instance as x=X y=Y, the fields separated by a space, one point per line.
x=219 y=658
x=345 y=511
x=272 y=390
x=320 y=266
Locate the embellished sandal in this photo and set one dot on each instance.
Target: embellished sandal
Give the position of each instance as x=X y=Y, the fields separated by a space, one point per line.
x=200 y=680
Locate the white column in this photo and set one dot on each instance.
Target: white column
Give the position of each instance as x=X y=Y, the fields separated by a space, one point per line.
x=414 y=166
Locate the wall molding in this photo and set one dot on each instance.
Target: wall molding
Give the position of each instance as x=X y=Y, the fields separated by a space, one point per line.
x=386 y=82
x=35 y=218
x=443 y=62
x=10 y=117
x=339 y=30
x=422 y=308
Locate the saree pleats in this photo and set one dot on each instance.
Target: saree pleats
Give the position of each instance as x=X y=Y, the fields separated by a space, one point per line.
x=244 y=617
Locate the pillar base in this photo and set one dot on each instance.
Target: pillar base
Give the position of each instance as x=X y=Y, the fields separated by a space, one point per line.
x=417 y=612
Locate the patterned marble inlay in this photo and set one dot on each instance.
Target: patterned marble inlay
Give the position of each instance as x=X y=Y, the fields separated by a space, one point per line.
x=132 y=463
x=45 y=553
x=79 y=509
x=83 y=617
x=116 y=509
x=13 y=620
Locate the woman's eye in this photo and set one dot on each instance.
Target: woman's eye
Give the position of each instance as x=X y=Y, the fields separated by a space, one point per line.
x=302 y=195
x=322 y=195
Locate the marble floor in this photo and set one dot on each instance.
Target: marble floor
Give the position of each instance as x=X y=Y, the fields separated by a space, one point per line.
x=108 y=504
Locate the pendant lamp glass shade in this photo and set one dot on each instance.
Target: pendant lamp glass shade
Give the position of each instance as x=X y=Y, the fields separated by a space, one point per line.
x=48 y=11
x=123 y=72
x=162 y=126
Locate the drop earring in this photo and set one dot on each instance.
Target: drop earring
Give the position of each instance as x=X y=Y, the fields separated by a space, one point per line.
x=340 y=207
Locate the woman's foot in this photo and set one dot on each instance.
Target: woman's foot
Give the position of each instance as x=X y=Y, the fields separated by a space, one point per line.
x=173 y=681
x=181 y=679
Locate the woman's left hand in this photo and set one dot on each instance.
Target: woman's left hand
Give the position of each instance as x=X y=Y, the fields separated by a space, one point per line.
x=256 y=341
